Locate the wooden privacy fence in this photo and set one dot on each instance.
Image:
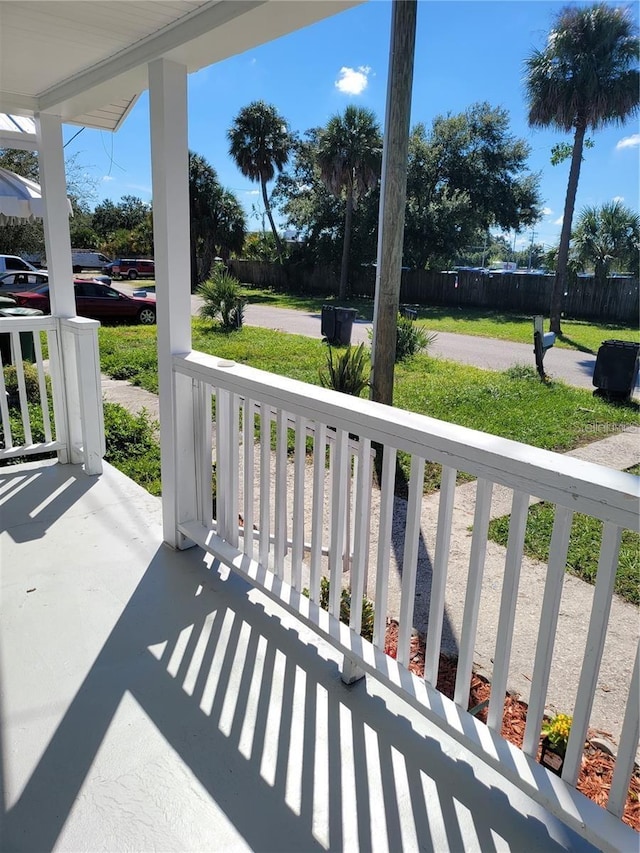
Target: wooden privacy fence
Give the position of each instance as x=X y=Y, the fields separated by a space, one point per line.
x=527 y=294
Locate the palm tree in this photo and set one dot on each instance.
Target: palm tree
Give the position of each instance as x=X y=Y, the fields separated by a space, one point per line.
x=585 y=78
x=606 y=235
x=349 y=156
x=259 y=142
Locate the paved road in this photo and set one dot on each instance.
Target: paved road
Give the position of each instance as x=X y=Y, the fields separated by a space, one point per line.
x=574 y=368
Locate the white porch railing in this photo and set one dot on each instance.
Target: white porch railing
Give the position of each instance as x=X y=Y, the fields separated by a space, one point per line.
x=64 y=415
x=267 y=485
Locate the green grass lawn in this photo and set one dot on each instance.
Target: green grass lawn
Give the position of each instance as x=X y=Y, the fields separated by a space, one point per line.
x=513 y=404
x=577 y=334
x=584 y=547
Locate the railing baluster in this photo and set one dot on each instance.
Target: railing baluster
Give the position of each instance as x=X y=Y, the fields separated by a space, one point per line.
x=628 y=745
x=508 y=602
x=265 y=484
x=439 y=574
x=298 y=502
x=410 y=558
x=42 y=387
x=248 y=441
x=4 y=411
x=57 y=392
x=203 y=455
x=317 y=509
x=605 y=580
x=481 y=515
x=22 y=388
x=222 y=456
x=233 y=469
x=361 y=533
x=547 y=629
x=280 y=545
x=387 y=499
x=339 y=474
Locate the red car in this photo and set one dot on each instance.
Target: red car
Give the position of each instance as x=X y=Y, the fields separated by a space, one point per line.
x=95 y=300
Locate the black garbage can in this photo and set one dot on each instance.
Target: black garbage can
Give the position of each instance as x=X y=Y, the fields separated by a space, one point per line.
x=328 y=322
x=337 y=324
x=616 y=368
x=26 y=338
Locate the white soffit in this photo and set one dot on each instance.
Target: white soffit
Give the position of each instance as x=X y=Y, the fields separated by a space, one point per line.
x=86 y=60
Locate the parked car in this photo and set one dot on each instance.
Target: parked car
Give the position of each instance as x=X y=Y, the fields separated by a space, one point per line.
x=131 y=268
x=95 y=300
x=22 y=280
x=87 y=259
x=13 y=262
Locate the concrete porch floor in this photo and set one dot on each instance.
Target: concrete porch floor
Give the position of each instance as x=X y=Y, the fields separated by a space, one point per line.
x=151 y=702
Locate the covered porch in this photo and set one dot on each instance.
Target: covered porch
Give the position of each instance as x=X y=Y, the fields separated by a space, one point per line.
x=165 y=681
x=153 y=700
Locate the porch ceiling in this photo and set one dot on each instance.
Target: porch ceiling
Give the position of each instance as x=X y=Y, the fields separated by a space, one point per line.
x=86 y=60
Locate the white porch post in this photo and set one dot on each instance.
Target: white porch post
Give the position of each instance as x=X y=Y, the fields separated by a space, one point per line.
x=170 y=179
x=83 y=422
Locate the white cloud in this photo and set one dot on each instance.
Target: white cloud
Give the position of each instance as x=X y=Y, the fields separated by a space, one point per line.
x=353 y=81
x=619 y=198
x=558 y=221
x=632 y=141
x=106 y=178
x=546 y=211
x=252 y=192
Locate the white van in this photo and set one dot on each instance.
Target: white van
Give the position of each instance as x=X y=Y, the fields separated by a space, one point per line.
x=12 y=263
x=86 y=259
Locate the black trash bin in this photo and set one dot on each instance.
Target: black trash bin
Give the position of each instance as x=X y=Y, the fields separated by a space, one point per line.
x=26 y=338
x=337 y=323
x=616 y=368
x=328 y=322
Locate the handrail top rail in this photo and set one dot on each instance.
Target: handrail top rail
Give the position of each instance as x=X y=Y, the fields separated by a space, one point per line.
x=28 y=324
x=582 y=486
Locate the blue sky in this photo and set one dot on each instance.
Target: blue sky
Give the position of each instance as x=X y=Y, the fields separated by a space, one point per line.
x=466 y=51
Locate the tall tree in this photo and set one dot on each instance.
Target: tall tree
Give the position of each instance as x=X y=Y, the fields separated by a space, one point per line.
x=259 y=142
x=349 y=155
x=585 y=78
x=605 y=236
x=216 y=218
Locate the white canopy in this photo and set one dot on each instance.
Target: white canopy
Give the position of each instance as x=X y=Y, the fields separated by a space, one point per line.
x=20 y=199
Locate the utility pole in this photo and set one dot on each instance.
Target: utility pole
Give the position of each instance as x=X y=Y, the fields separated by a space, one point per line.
x=393 y=194
x=533 y=236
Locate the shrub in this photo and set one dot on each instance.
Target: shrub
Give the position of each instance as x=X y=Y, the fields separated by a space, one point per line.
x=411 y=338
x=348 y=372
x=368 y=612
x=30 y=381
x=222 y=299
x=132 y=446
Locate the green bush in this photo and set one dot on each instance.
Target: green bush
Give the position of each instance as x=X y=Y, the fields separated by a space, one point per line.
x=223 y=300
x=30 y=381
x=348 y=372
x=132 y=446
x=368 y=612
x=412 y=338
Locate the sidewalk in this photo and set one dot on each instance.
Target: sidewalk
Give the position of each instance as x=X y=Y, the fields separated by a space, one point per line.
x=618 y=451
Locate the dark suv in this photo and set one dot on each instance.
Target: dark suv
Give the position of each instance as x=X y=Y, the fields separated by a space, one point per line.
x=131 y=268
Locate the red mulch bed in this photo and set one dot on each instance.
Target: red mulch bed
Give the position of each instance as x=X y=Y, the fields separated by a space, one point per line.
x=597 y=766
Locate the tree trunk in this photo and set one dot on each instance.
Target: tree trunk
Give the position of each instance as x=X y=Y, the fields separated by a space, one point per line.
x=393 y=196
x=560 y=283
x=344 y=267
x=267 y=207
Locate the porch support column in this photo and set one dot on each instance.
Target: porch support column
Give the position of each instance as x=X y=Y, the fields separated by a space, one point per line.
x=170 y=181
x=61 y=295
